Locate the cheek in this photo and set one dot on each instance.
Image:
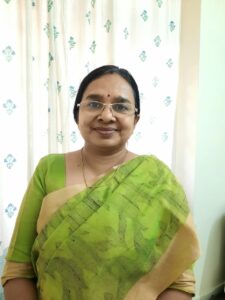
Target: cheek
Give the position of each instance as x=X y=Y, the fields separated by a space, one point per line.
x=128 y=127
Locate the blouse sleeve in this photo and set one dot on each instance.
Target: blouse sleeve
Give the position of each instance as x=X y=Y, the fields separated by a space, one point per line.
x=48 y=176
x=25 y=229
x=185 y=282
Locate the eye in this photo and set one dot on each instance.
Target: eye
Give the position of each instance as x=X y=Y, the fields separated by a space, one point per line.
x=94 y=105
x=122 y=107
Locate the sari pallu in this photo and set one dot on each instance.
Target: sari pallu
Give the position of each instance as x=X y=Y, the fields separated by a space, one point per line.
x=130 y=228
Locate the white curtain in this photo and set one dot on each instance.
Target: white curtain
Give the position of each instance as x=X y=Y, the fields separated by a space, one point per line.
x=46 y=48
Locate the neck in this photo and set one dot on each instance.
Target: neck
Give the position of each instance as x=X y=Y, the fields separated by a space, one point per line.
x=99 y=162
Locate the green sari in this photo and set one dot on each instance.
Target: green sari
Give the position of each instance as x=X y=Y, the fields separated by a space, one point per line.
x=132 y=226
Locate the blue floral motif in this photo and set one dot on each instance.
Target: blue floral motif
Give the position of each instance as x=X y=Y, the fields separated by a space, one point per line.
x=88 y=16
x=50 y=5
x=72 y=91
x=164 y=136
x=73 y=137
x=144 y=15
x=155 y=81
x=143 y=56
x=169 y=63
x=157 y=41
x=50 y=59
x=71 y=42
x=167 y=100
x=2 y=262
x=87 y=65
x=93 y=46
x=108 y=25
x=10 y=210
x=126 y=33
x=9 y=106
x=55 y=32
x=152 y=120
x=9 y=53
x=9 y=161
x=160 y=3
x=60 y=137
x=58 y=87
x=137 y=136
x=172 y=26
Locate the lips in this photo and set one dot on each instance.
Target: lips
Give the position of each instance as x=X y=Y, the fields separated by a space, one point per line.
x=105 y=130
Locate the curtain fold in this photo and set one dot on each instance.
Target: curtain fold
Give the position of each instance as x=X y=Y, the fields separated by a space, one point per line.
x=48 y=47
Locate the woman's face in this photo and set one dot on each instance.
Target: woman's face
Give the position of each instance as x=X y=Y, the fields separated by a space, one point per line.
x=104 y=129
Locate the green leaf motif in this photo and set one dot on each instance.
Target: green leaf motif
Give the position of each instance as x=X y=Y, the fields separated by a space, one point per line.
x=88 y=16
x=33 y=3
x=157 y=41
x=50 y=59
x=59 y=87
x=71 y=42
x=9 y=53
x=46 y=84
x=126 y=33
x=108 y=25
x=93 y=3
x=93 y=46
x=50 y=5
x=172 y=26
x=7 y=1
x=60 y=137
x=160 y=3
x=55 y=32
x=143 y=56
x=144 y=15
x=47 y=29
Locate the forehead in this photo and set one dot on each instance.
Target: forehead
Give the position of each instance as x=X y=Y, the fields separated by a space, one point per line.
x=111 y=85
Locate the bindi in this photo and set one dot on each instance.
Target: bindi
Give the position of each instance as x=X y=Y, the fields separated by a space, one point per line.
x=108 y=95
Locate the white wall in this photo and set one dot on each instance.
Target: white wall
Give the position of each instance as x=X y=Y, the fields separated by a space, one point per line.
x=209 y=190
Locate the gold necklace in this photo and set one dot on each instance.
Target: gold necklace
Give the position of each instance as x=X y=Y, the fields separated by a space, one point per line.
x=84 y=161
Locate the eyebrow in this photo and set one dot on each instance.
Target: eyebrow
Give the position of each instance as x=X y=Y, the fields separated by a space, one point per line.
x=97 y=97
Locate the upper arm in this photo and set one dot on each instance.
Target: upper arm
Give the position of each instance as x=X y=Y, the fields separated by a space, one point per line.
x=25 y=229
x=170 y=294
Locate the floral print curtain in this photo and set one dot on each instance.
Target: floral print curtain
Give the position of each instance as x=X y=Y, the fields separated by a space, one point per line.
x=46 y=48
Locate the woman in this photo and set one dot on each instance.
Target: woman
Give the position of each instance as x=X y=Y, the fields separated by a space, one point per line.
x=102 y=222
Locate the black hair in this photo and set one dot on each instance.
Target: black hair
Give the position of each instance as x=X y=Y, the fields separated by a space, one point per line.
x=103 y=70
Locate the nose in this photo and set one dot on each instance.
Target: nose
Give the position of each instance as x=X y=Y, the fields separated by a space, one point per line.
x=106 y=114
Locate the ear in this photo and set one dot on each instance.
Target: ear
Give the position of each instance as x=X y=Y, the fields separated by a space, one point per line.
x=136 y=119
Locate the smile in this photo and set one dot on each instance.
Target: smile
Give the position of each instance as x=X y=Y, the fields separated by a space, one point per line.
x=105 y=130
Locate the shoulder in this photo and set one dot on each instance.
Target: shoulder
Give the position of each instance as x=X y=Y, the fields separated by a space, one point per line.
x=51 y=171
x=51 y=158
x=160 y=170
x=51 y=163
x=156 y=163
